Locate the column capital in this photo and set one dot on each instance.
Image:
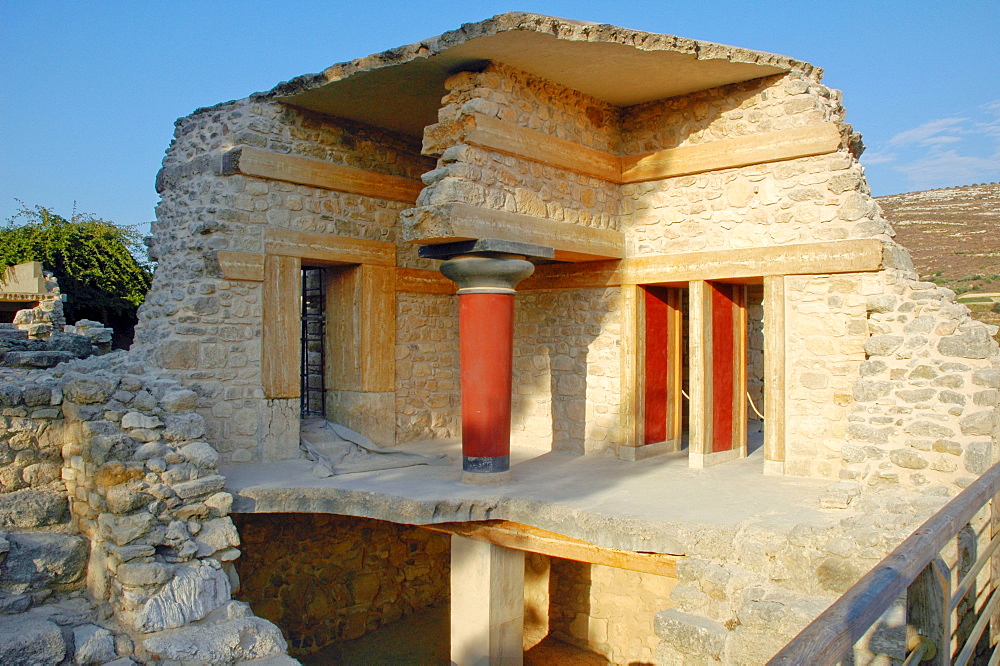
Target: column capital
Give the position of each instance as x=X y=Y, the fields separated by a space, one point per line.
x=487 y=273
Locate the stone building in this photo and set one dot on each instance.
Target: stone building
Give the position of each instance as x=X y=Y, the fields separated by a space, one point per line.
x=694 y=377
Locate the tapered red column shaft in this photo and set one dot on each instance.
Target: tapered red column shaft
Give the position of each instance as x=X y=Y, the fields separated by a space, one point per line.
x=486 y=340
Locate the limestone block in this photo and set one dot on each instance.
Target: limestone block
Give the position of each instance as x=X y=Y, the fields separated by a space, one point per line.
x=37 y=560
x=88 y=389
x=988 y=377
x=26 y=640
x=125 y=529
x=242 y=639
x=94 y=645
x=122 y=499
x=882 y=345
x=179 y=400
x=140 y=420
x=177 y=355
x=195 y=590
x=978 y=424
x=978 y=457
x=199 y=487
x=928 y=429
x=28 y=508
x=908 y=459
x=975 y=343
x=201 y=454
x=186 y=426
x=691 y=635
x=215 y=535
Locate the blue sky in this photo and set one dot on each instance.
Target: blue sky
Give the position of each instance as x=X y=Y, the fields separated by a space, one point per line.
x=91 y=89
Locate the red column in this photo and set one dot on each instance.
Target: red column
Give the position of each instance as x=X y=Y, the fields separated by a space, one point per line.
x=486 y=340
x=486 y=336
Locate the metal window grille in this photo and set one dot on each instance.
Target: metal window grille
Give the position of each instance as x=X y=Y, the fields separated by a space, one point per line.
x=313 y=394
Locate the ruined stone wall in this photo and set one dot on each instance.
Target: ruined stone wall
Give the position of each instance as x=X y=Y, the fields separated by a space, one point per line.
x=204 y=329
x=325 y=578
x=125 y=447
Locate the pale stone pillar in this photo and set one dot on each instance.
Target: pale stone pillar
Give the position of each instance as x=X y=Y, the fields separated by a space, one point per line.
x=774 y=375
x=487 y=603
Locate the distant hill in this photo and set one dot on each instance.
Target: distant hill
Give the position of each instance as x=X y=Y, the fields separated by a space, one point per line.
x=954 y=237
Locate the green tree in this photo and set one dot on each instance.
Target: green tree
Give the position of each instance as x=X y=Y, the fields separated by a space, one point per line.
x=94 y=260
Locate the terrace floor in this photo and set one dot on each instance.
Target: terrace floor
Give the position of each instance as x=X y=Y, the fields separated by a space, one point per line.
x=657 y=505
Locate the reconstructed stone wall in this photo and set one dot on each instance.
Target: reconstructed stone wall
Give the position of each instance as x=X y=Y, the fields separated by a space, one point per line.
x=485 y=178
x=428 y=399
x=326 y=578
x=204 y=329
x=924 y=408
x=566 y=369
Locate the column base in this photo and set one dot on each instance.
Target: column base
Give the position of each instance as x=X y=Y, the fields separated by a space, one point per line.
x=491 y=479
x=485 y=464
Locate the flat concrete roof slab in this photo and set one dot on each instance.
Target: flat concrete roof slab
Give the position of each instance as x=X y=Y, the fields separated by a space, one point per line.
x=401 y=89
x=656 y=505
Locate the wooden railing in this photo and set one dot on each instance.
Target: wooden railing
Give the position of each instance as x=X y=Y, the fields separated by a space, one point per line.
x=945 y=622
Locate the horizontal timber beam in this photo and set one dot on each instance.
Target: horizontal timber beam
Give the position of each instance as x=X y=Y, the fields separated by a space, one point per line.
x=448 y=222
x=732 y=153
x=849 y=256
x=328 y=248
x=318 y=173
x=423 y=281
x=534 y=540
x=535 y=146
x=543 y=148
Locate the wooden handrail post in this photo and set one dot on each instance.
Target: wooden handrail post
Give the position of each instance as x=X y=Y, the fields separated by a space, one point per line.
x=995 y=565
x=928 y=613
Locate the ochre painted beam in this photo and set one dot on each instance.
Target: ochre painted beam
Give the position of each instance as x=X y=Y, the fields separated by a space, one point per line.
x=317 y=173
x=448 y=222
x=849 y=256
x=327 y=248
x=534 y=540
x=543 y=148
x=731 y=153
x=535 y=146
x=423 y=281
x=280 y=334
x=241 y=265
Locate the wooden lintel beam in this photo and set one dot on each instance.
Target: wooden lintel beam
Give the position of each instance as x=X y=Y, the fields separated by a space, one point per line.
x=534 y=540
x=318 y=173
x=848 y=256
x=535 y=146
x=423 y=281
x=327 y=248
x=241 y=265
x=448 y=222
x=732 y=153
x=543 y=148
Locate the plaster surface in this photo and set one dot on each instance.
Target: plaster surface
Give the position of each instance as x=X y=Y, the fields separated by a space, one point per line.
x=654 y=505
x=618 y=65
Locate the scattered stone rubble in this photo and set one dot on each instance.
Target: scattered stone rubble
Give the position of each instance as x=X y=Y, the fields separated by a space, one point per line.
x=115 y=540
